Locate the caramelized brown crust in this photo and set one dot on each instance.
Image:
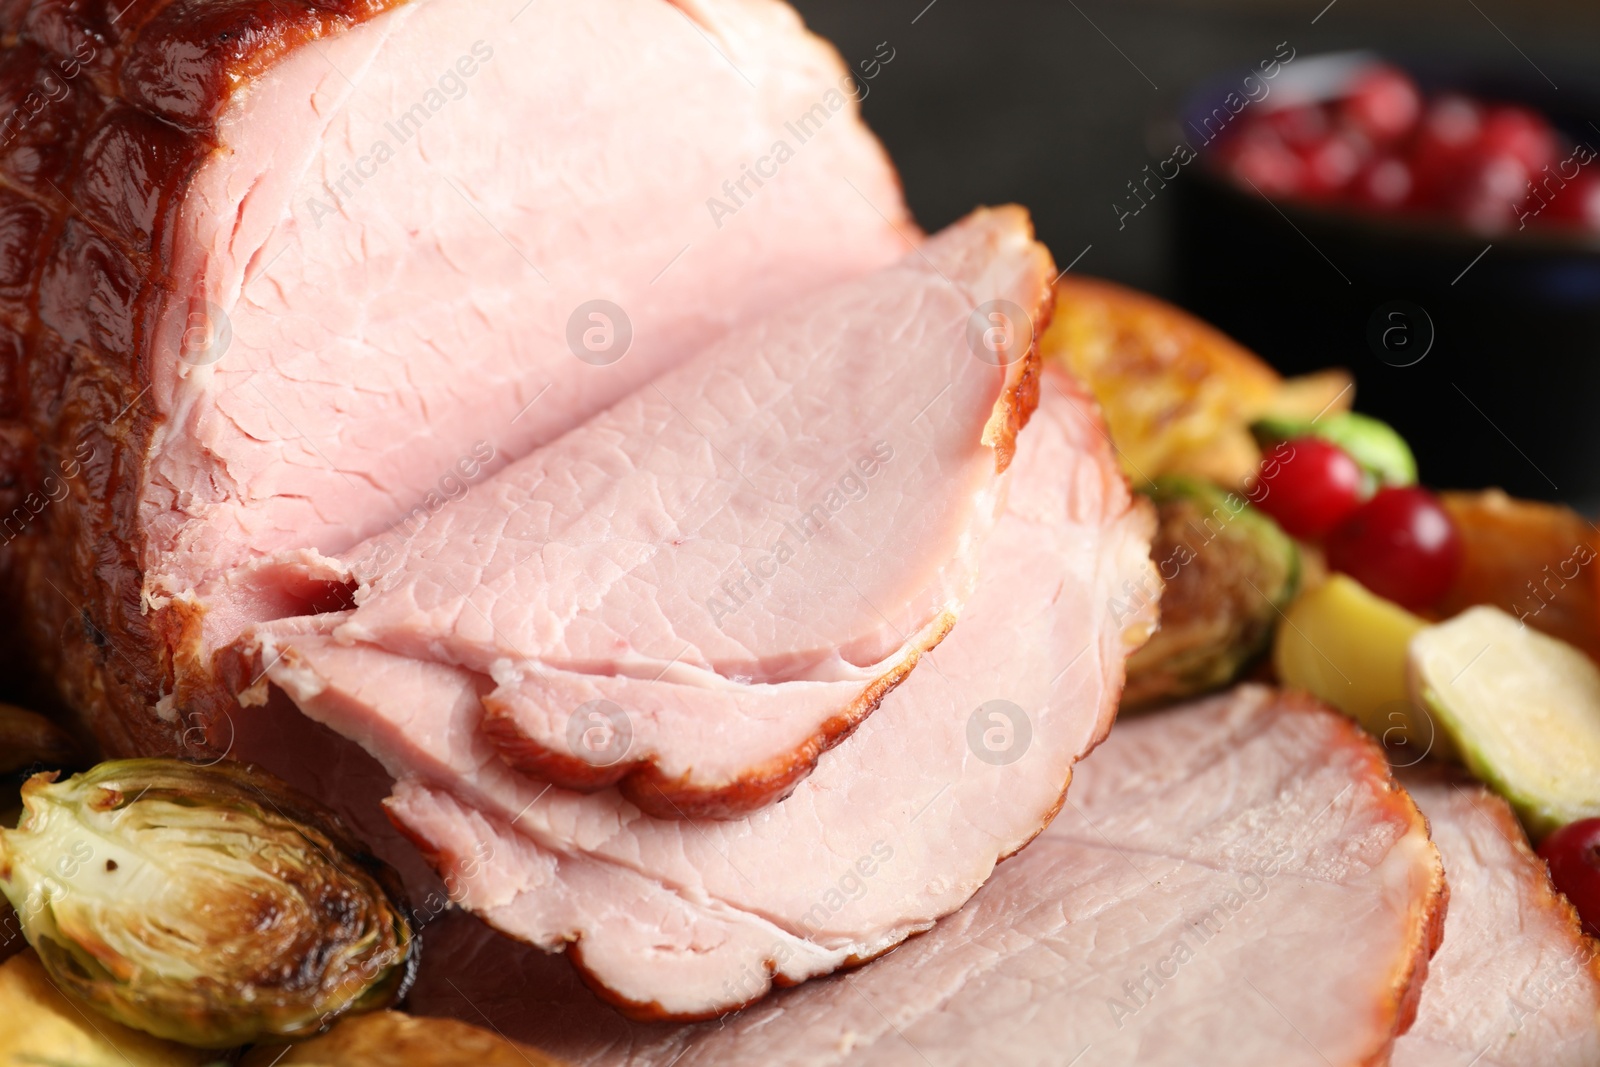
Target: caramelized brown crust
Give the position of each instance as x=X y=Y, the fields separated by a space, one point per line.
x=107 y=111
x=1020 y=396
x=642 y=782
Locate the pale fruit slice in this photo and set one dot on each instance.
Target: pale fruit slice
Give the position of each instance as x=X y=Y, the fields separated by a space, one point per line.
x=1523 y=709
x=1347 y=647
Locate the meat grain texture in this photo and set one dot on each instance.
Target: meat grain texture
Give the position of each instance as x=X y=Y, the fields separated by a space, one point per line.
x=1182 y=909
x=746 y=555
x=896 y=828
x=1516 y=984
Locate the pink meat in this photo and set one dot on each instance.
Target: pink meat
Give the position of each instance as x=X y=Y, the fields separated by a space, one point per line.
x=736 y=562
x=1236 y=882
x=962 y=765
x=337 y=264
x=1516 y=983
x=383 y=326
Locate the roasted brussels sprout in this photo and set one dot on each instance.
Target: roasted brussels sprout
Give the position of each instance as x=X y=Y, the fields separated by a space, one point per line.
x=1228 y=571
x=389 y=1039
x=208 y=905
x=1380 y=451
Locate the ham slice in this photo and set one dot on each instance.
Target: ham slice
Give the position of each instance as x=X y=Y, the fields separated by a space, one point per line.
x=733 y=565
x=1516 y=983
x=1239 y=880
x=961 y=766
x=281 y=276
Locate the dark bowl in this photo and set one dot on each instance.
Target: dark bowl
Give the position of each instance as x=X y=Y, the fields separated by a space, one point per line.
x=1484 y=350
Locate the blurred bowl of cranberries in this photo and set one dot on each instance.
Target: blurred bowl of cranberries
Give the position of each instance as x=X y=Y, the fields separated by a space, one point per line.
x=1382 y=144
x=1430 y=225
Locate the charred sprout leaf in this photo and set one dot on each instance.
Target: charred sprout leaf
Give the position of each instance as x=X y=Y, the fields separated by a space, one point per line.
x=1373 y=444
x=208 y=905
x=29 y=740
x=1228 y=570
x=389 y=1039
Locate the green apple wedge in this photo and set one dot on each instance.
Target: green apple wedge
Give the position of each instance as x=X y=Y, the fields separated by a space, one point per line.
x=1523 y=709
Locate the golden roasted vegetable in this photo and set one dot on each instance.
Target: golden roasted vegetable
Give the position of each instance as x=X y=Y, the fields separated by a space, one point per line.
x=1178 y=395
x=1535 y=561
x=389 y=1039
x=1228 y=571
x=1313 y=396
x=1381 y=452
x=1522 y=708
x=30 y=740
x=1347 y=646
x=40 y=1026
x=208 y=905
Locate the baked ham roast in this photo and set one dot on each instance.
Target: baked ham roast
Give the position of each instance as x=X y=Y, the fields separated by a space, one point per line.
x=442 y=364
x=962 y=765
x=727 y=570
x=1237 y=881
x=278 y=278
x=1516 y=983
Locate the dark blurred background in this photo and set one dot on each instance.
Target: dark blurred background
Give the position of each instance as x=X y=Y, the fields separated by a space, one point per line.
x=1058 y=104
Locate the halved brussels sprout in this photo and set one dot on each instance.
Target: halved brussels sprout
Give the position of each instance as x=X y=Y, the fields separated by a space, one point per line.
x=1375 y=445
x=209 y=905
x=1228 y=571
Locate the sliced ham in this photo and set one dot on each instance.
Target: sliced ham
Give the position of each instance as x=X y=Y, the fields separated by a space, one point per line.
x=733 y=565
x=280 y=277
x=1516 y=983
x=962 y=765
x=1239 y=881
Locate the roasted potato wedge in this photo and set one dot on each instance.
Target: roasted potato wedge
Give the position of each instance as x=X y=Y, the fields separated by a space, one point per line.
x=1535 y=561
x=1314 y=396
x=41 y=1026
x=389 y=1039
x=1178 y=395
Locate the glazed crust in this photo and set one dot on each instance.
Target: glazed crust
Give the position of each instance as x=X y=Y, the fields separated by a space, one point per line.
x=108 y=108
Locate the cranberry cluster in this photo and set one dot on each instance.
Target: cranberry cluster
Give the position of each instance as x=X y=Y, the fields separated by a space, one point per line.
x=1383 y=147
